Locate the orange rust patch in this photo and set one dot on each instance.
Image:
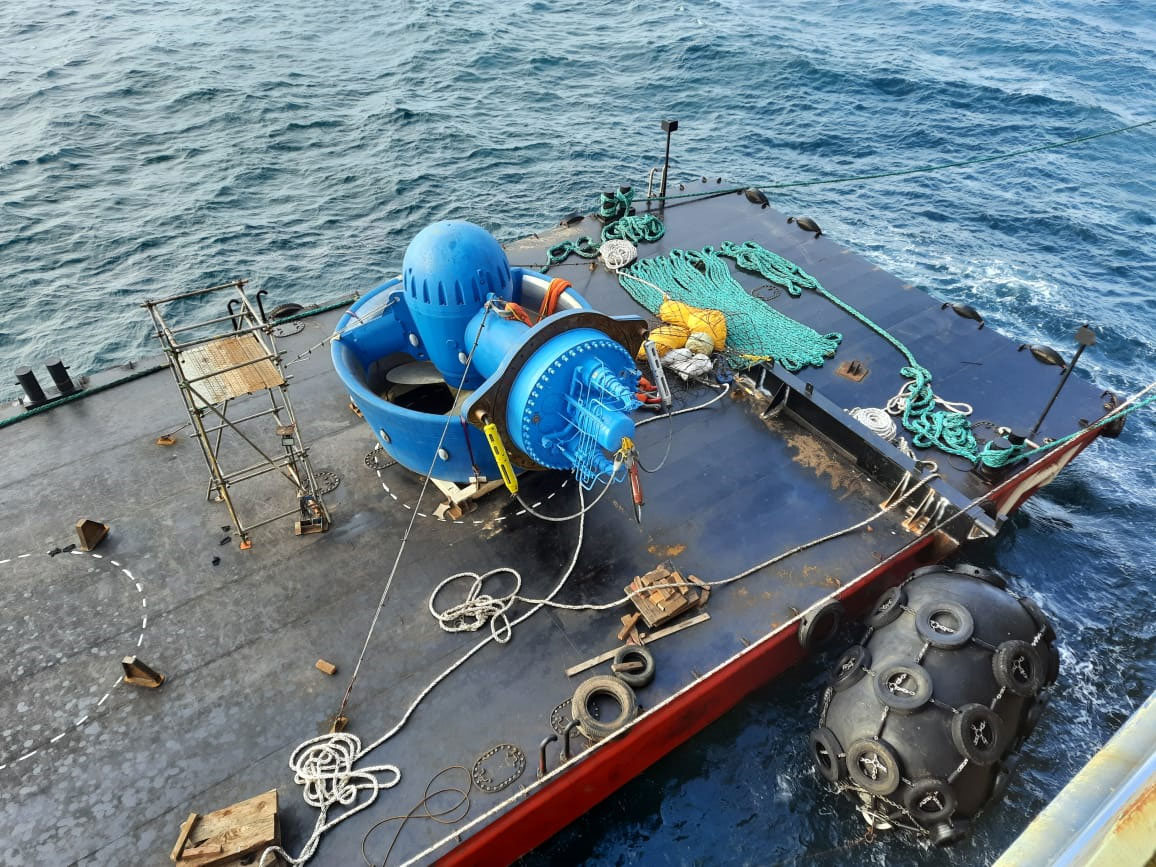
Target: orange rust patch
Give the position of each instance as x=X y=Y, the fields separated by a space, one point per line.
x=1140 y=810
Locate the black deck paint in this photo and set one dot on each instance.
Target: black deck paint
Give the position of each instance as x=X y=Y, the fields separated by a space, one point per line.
x=238 y=640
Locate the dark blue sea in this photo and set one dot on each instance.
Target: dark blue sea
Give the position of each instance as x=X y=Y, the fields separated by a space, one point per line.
x=147 y=147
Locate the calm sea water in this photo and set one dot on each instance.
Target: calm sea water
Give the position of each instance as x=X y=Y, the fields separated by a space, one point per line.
x=147 y=147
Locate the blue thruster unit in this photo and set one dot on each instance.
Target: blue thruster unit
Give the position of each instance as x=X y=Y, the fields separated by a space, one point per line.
x=462 y=358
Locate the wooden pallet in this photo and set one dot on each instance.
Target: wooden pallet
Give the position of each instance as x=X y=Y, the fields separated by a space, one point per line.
x=226 y=837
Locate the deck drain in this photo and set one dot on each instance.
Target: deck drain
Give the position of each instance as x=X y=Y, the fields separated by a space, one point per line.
x=327 y=481
x=509 y=760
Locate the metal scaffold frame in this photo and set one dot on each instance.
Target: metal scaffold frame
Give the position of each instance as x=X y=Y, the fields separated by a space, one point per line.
x=215 y=369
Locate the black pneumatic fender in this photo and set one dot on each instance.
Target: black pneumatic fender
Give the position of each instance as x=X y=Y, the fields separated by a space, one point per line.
x=921 y=723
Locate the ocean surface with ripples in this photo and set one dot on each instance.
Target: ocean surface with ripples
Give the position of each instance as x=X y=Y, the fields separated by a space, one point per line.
x=149 y=147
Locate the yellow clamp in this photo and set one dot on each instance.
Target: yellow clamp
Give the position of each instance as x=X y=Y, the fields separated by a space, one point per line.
x=500 y=456
x=627 y=450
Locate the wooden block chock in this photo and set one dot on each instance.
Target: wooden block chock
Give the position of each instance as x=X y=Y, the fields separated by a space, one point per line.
x=90 y=533
x=661 y=595
x=183 y=837
x=139 y=674
x=226 y=836
x=629 y=622
x=325 y=667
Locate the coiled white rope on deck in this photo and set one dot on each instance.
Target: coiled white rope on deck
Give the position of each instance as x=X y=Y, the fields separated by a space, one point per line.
x=478 y=608
x=875 y=420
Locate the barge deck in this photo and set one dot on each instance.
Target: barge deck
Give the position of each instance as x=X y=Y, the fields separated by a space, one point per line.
x=98 y=772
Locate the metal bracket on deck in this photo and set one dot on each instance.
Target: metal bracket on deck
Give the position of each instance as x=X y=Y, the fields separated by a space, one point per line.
x=139 y=674
x=931 y=508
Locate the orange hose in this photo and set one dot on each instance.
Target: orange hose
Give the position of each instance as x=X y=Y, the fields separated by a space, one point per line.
x=519 y=313
x=550 y=299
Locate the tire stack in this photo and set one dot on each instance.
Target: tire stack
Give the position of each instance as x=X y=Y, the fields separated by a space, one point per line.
x=618 y=688
x=922 y=722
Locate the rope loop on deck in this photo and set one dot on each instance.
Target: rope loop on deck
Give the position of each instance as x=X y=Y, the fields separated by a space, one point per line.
x=323 y=767
x=478 y=608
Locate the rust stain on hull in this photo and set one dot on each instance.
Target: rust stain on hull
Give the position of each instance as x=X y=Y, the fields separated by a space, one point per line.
x=1141 y=812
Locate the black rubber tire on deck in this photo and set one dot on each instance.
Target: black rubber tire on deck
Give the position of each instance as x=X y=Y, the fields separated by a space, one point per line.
x=977 y=733
x=1053 y=665
x=635 y=679
x=873 y=766
x=1003 y=777
x=887 y=607
x=1032 y=717
x=946 y=625
x=818 y=628
x=603 y=684
x=1039 y=618
x=282 y=311
x=904 y=687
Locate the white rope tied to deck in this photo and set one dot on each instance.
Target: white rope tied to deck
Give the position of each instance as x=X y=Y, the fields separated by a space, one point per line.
x=478 y=608
x=898 y=402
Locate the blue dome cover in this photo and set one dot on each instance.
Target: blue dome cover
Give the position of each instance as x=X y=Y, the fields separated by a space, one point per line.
x=450 y=268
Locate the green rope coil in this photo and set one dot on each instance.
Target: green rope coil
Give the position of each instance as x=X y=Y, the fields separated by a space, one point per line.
x=620 y=224
x=755 y=330
x=583 y=246
x=635 y=228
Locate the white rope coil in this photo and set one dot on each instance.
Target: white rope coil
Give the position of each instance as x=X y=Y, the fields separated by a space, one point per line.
x=323 y=767
x=617 y=253
x=875 y=420
x=478 y=608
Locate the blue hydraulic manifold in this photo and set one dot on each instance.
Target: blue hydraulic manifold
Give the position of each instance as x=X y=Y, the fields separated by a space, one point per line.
x=557 y=391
